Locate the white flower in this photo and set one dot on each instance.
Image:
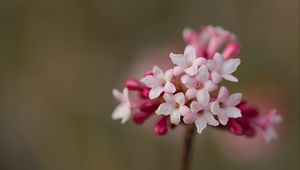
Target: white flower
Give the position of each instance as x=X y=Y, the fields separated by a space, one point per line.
x=224 y=106
x=122 y=111
x=174 y=106
x=222 y=69
x=186 y=62
x=199 y=86
x=202 y=116
x=159 y=82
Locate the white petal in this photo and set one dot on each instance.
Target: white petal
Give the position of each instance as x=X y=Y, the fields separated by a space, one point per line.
x=169 y=98
x=157 y=72
x=175 y=117
x=215 y=108
x=189 y=118
x=190 y=54
x=164 y=109
x=223 y=119
x=178 y=59
x=218 y=60
x=188 y=81
x=191 y=70
x=155 y=92
x=191 y=93
x=150 y=81
x=234 y=99
x=200 y=124
x=203 y=97
x=223 y=94
x=122 y=112
x=199 y=61
x=229 y=66
x=117 y=94
x=210 y=65
x=233 y=112
x=169 y=87
x=210 y=86
x=269 y=134
x=177 y=70
x=230 y=78
x=210 y=119
x=196 y=107
x=184 y=110
x=168 y=75
x=216 y=77
x=203 y=74
x=179 y=98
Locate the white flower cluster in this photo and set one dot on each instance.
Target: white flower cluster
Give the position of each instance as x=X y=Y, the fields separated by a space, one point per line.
x=187 y=90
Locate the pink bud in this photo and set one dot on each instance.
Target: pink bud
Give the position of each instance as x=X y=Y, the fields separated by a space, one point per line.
x=161 y=126
x=149 y=106
x=140 y=117
x=133 y=84
x=231 y=50
x=145 y=92
x=248 y=111
x=149 y=72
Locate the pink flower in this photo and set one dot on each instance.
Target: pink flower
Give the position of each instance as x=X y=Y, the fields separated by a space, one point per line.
x=122 y=111
x=199 y=86
x=267 y=122
x=159 y=82
x=186 y=62
x=201 y=116
x=222 y=69
x=225 y=106
x=174 y=106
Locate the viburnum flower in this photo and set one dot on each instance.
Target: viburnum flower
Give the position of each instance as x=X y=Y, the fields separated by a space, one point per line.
x=225 y=105
x=174 y=107
x=201 y=115
x=223 y=69
x=184 y=95
x=187 y=62
x=199 y=86
x=122 y=111
x=159 y=82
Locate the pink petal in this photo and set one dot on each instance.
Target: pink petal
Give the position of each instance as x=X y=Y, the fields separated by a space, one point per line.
x=157 y=72
x=189 y=118
x=175 y=117
x=216 y=77
x=215 y=108
x=188 y=81
x=184 y=110
x=196 y=107
x=178 y=59
x=191 y=70
x=210 y=119
x=199 y=61
x=177 y=70
x=223 y=119
x=190 y=54
x=150 y=81
x=231 y=50
x=168 y=75
x=218 y=60
x=191 y=93
x=210 y=86
x=230 y=78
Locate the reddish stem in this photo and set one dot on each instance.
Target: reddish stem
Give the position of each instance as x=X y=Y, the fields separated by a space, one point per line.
x=186 y=156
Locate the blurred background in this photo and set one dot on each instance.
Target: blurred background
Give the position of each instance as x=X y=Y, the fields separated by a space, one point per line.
x=60 y=59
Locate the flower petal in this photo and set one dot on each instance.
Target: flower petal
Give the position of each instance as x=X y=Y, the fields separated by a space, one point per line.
x=122 y=112
x=233 y=112
x=178 y=59
x=203 y=97
x=177 y=70
x=215 y=108
x=117 y=94
x=210 y=119
x=234 y=99
x=168 y=75
x=191 y=93
x=179 y=98
x=210 y=86
x=223 y=119
x=169 y=87
x=164 y=109
x=269 y=134
x=229 y=66
x=189 y=118
x=155 y=92
x=230 y=78
x=190 y=54
x=169 y=98
x=150 y=81
x=191 y=70
x=216 y=77
x=203 y=74
x=196 y=107
x=175 y=117
x=157 y=72
x=184 y=110
x=218 y=60
x=199 y=61
x=188 y=81
x=223 y=94
x=200 y=124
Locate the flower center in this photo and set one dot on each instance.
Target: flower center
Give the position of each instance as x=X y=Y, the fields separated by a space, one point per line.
x=222 y=105
x=177 y=106
x=199 y=86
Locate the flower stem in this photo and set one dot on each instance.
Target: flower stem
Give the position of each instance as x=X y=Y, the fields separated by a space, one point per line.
x=189 y=132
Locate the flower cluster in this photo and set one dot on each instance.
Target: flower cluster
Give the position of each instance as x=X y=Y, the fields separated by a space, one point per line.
x=190 y=91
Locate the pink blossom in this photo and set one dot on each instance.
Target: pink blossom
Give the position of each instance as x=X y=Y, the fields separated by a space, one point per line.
x=122 y=111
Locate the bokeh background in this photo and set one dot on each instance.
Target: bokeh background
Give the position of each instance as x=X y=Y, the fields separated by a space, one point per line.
x=59 y=60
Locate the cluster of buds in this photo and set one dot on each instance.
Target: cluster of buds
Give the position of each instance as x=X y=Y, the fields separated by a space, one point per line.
x=190 y=91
